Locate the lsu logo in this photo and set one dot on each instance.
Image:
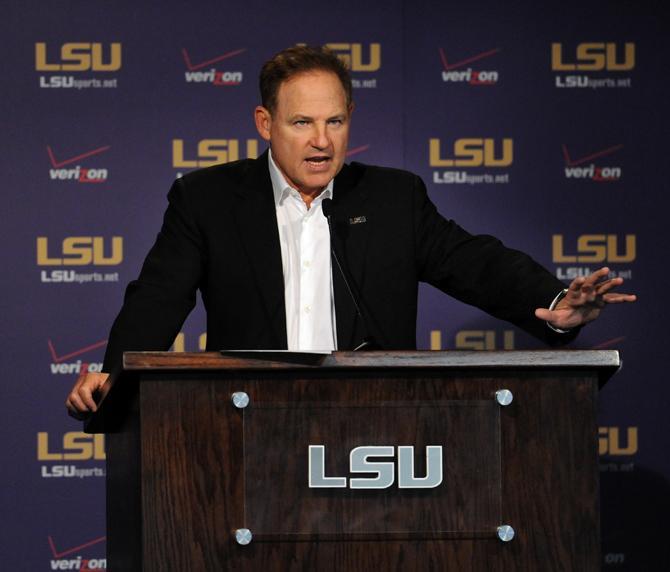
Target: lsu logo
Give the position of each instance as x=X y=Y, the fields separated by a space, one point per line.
x=75 y=446
x=476 y=340
x=81 y=251
x=75 y=56
x=354 y=57
x=596 y=248
x=179 y=344
x=212 y=152
x=594 y=56
x=359 y=462
x=472 y=152
x=484 y=340
x=611 y=443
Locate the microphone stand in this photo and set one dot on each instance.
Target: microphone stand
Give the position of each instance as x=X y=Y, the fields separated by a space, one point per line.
x=368 y=342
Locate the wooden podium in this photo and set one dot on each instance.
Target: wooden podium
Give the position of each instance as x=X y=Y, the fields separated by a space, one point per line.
x=354 y=461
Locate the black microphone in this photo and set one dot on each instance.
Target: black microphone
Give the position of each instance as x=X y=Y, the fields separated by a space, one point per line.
x=368 y=342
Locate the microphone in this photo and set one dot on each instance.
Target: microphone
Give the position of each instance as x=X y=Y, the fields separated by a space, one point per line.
x=368 y=342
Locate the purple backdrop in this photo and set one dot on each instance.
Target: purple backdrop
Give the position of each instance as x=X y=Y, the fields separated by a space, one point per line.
x=542 y=126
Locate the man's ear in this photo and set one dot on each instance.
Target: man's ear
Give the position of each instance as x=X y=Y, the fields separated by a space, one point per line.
x=263 y=120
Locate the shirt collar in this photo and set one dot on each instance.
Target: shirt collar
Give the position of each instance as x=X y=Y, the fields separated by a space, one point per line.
x=280 y=188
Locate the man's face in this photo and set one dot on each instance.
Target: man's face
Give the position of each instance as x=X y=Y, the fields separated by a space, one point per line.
x=308 y=130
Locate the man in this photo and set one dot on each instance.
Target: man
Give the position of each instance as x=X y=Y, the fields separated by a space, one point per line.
x=251 y=236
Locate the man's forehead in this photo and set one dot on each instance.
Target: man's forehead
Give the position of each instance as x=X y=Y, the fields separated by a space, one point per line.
x=312 y=88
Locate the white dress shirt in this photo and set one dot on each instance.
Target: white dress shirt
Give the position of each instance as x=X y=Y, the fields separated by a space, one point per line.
x=305 y=255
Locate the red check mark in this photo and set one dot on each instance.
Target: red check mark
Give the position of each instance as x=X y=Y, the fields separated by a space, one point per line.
x=448 y=66
x=357 y=150
x=609 y=343
x=192 y=67
x=570 y=163
x=58 y=359
x=57 y=164
x=67 y=551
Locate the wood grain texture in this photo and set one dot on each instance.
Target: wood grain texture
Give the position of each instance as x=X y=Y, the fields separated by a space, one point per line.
x=606 y=361
x=192 y=477
x=280 y=505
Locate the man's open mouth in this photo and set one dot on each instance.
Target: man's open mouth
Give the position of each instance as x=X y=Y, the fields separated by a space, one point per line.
x=317 y=160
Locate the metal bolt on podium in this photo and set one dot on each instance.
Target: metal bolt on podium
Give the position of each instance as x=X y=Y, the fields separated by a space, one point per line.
x=504 y=397
x=240 y=400
x=243 y=536
x=505 y=532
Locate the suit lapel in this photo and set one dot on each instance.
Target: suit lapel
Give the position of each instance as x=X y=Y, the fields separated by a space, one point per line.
x=351 y=228
x=256 y=219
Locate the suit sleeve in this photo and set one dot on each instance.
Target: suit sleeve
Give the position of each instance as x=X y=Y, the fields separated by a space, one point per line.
x=157 y=303
x=479 y=270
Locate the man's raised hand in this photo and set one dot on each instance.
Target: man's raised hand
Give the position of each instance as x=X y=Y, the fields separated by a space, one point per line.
x=584 y=300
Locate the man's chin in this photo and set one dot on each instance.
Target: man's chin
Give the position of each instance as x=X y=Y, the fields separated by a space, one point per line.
x=318 y=182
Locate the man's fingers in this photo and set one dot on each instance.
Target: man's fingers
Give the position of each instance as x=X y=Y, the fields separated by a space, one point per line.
x=586 y=285
x=588 y=292
x=86 y=394
x=593 y=278
x=76 y=407
x=607 y=285
x=544 y=314
x=76 y=415
x=585 y=298
x=81 y=402
x=587 y=289
x=616 y=298
x=576 y=285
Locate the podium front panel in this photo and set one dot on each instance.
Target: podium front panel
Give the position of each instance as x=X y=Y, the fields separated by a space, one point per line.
x=342 y=470
x=210 y=469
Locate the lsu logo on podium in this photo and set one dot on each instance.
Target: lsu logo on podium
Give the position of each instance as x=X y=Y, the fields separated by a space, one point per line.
x=81 y=251
x=358 y=58
x=594 y=56
x=472 y=152
x=359 y=462
x=79 y=56
x=211 y=152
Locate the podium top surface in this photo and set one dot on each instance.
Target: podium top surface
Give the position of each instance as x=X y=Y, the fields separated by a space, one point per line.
x=604 y=360
x=600 y=363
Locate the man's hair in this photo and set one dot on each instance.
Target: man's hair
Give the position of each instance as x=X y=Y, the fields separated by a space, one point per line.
x=296 y=60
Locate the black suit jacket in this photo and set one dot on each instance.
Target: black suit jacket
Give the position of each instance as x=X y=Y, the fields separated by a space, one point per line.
x=220 y=236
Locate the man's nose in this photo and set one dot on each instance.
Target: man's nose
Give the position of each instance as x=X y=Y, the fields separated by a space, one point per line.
x=320 y=139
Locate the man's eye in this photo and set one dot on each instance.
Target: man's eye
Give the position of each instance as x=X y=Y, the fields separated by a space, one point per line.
x=336 y=121
x=300 y=122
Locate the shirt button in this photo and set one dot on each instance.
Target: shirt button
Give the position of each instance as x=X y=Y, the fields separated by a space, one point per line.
x=307 y=264
x=308 y=309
